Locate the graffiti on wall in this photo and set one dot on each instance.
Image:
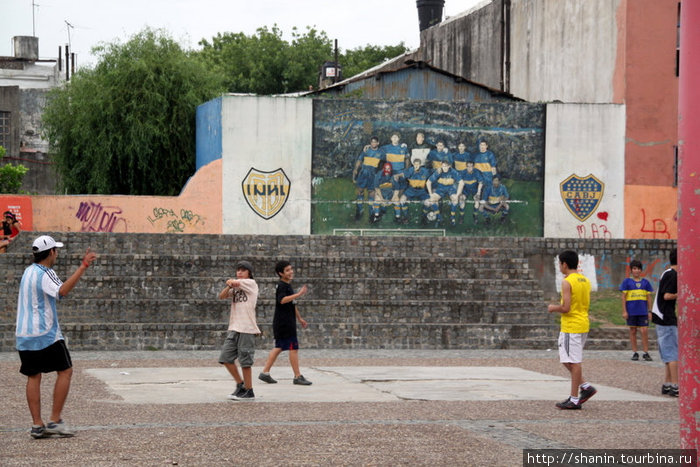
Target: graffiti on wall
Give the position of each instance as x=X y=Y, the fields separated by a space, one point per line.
x=266 y=192
x=657 y=226
x=94 y=217
x=413 y=166
x=175 y=222
x=611 y=270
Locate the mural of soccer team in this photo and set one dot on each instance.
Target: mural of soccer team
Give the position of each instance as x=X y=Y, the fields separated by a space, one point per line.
x=396 y=175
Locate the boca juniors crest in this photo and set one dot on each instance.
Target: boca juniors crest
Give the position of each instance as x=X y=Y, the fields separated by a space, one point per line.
x=581 y=195
x=266 y=192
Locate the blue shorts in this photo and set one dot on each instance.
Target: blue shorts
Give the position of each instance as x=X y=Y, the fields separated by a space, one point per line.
x=446 y=192
x=419 y=194
x=639 y=321
x=290 y=343
x=667 y=339
x=365 y=179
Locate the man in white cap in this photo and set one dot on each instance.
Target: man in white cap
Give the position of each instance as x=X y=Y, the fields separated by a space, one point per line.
x=41 y=346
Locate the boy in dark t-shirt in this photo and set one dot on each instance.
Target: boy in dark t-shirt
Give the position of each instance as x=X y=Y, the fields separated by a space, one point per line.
x=666 y=321
x=284 y=325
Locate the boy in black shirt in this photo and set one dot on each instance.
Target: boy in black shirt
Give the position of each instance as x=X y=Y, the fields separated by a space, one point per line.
x=664 y=317
x=284 y=325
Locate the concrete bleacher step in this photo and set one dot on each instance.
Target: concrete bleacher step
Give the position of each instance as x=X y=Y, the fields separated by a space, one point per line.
x=212 y=310
x=208 y=336
x=160 y=291
x=223 y=266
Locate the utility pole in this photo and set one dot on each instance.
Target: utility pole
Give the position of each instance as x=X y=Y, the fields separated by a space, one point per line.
x=34 y=5
x=68 y=28
x=689 y=225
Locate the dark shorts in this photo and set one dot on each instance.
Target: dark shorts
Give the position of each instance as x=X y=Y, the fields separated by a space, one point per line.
x=53 y=358
x=290 y=343
x=638 y=320
x=239 y=346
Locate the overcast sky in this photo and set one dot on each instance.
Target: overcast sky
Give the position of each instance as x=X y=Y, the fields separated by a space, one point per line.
x=354 y=23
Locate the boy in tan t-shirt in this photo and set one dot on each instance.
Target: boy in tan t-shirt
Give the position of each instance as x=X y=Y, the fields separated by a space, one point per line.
x=242 y=329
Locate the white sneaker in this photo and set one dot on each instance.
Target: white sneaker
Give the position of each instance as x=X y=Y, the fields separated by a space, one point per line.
x=59 y=428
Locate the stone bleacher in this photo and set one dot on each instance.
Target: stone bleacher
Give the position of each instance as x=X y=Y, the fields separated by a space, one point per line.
x=159 y=291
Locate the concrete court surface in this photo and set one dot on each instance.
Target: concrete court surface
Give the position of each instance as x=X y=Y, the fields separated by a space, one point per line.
x=178 y=385
x=365 y=407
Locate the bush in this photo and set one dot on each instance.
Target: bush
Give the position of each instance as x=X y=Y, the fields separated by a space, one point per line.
x=11 y=176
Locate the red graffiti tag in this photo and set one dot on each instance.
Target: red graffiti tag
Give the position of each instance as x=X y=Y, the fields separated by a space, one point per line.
x=658 y=226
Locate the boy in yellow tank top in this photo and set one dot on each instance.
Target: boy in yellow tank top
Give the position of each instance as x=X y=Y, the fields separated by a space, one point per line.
x=575 y=300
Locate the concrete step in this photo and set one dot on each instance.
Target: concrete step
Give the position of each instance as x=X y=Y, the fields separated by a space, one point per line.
x=209 y=336
x=492 y=267
x=283 y=246
x=202 y=311
x=188 y=288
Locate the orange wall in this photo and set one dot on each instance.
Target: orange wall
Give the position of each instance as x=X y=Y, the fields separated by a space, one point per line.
x=651 y=92
x=196 y=210
x=650 y=212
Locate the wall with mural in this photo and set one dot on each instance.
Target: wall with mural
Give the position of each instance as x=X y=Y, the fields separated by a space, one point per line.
x=585 y=171
x=266 y=150
x=297 y=167
x=501 y=194
x=196 y=210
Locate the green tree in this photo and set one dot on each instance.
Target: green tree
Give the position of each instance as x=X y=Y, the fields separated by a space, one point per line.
x=127 y=126
x=264 y=63
x=359 y=59
x=11 y=177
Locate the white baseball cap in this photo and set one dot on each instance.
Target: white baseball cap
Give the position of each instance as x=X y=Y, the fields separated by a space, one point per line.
x=44 y=243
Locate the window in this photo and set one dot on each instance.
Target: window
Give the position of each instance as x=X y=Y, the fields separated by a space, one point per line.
x=5 y=130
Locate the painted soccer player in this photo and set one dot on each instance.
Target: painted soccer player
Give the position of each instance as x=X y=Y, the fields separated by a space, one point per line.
x=485 y=162
x=420 y=148
x=461 y=157
x=417 y=177
x=437 y=156
x=442 y=183
x=385 y=193
x=495 y=200
x=397 y=155
x=366 y=167
x=473 y=185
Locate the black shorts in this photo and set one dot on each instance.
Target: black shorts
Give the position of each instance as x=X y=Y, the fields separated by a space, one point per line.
x=53 y=358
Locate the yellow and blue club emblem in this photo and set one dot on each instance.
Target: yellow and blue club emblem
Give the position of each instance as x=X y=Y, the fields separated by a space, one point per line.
x=581 y=195
x=266 y=192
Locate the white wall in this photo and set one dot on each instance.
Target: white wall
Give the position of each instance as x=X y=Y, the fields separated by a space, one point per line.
x=564 y=50
x=266 y=133
x=582 y=140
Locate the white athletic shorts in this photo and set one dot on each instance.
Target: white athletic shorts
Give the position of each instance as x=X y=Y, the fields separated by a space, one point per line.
x=571 y=347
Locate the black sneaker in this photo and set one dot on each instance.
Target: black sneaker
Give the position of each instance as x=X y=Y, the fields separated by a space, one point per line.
x=665 y=389
x=586 y=394
x=240 y=389
x=647 y=357
x=673 y=392
x=301 y=380
x=635 y=357
x=568 y=405
x=267 y=378
x=38 y=431
x=246 y=395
